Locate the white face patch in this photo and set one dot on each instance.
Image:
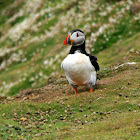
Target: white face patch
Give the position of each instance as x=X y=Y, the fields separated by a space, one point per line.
x=77 y=38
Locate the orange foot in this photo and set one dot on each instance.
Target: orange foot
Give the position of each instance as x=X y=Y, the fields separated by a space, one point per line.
x=75 y=91
x=91 y=90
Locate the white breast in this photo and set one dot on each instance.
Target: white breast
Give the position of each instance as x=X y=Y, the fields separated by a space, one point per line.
x=78 y=69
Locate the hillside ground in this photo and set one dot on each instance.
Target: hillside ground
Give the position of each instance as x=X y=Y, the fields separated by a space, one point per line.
x=111 y=111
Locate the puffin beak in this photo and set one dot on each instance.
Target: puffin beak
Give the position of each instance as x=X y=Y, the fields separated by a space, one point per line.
x=67 y=40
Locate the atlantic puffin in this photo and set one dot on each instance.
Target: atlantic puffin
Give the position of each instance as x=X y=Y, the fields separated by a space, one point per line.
x=79 y=66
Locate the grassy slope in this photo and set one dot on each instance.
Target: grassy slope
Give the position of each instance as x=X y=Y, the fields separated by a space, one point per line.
x=110 y=112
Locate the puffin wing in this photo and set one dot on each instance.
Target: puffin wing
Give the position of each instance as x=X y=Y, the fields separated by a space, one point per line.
x=93 y=60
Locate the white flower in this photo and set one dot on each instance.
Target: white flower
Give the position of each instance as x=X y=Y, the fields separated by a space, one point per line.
x=23 y=79
x=24 y=59
x=112 y=20
x=31 y=79
x=4 y=83
x=93 y=24
x=40 y=74
x=109 y=8
x=107 y=39
x=36 y=77
x=45 y=62
x=103 y=13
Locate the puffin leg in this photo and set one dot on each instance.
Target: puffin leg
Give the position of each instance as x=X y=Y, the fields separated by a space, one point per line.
x=75 y=88
x=91 y=90
x=75 y=91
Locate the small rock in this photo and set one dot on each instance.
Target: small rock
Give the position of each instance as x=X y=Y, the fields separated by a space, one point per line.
x=85 y=116
x=93 y=113
x=105 y=113
x=101 y=113
x=115 y=101
x=126 y=96
x=50 y=126
x=79 y=121
x=24 y=99
x=29 y=126
x=28 y=113
x=83 y=123
x=10 y=126
x=120 y=94
x=75 y=120
x=9 y=98
x=17 y=128
x=89 y=107
x=3 y=115
x=128 y=83
x=61 y=106
x=37 y=127
x=36 y=135
x=72 y=117
x=11 y=135
x=9 y=131
x=90 y=101
x=61 y=118
x=15 y=114
x=23 y=119
x=134 y=95
x=1 y=135
x=37 y=112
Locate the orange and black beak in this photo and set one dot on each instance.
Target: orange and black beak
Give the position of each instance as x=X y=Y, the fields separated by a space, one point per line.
x=67 y=40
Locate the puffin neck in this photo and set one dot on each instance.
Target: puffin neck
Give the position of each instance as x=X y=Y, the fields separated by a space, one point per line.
x=80 y=48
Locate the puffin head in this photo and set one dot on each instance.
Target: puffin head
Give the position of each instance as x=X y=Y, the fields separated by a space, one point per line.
x=75 y=38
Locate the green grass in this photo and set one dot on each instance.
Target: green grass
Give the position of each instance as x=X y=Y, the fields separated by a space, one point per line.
x=120 y=49
x=18 y=20
x=125 y=29
x=114 y=116
x=10 y=10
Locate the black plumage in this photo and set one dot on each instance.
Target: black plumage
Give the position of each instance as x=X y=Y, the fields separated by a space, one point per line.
x=81 y=48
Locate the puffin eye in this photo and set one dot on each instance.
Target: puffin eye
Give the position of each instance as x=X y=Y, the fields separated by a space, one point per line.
x=77 y=35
